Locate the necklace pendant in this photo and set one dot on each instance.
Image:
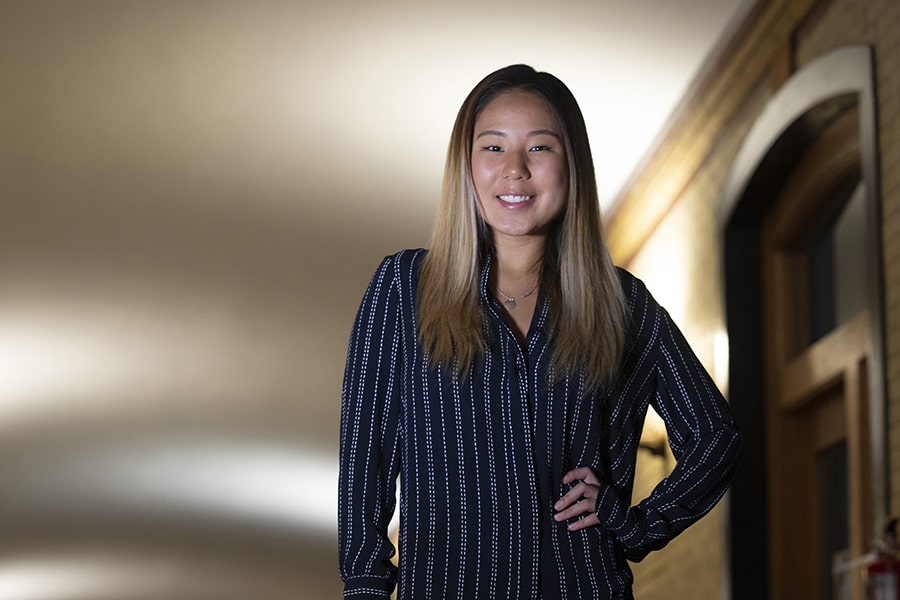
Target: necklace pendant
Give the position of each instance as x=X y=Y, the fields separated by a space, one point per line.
x=510 y=303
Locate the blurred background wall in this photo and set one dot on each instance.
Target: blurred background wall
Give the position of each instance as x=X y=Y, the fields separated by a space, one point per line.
x=193 y=196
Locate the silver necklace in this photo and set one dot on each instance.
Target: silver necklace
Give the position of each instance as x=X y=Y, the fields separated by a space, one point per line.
x=510 y=302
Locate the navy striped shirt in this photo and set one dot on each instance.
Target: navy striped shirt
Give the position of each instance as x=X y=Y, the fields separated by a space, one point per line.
x=480 y=460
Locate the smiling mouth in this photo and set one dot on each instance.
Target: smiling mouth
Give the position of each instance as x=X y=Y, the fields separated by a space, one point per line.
x=514 y=198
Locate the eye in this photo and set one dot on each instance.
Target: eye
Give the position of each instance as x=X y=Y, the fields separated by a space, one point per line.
x=493 y=148
x=540 y=148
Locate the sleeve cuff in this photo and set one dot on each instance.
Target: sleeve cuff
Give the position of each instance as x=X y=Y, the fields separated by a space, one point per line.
x=616 y=514
x=368 y=588
x=611 y=511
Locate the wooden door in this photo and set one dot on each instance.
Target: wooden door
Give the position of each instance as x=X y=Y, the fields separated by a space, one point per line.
x=817 y=343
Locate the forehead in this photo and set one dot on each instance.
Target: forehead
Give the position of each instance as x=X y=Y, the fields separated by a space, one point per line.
x=517 y=108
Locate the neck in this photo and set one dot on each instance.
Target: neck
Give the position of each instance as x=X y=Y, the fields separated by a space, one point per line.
x=518 y=263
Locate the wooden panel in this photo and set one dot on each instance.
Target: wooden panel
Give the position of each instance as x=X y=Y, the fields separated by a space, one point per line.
x=859 y=465
x=824 y=363
x=828 y=418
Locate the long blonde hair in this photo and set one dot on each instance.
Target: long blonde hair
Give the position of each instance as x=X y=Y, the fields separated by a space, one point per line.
x=587 y=307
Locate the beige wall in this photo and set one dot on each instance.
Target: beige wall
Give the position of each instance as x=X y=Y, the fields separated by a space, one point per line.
x=680 y=264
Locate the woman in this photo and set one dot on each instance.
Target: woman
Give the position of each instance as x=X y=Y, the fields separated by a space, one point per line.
x=504 y=376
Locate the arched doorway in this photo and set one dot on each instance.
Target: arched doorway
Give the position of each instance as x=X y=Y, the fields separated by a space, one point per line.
x=799 y=219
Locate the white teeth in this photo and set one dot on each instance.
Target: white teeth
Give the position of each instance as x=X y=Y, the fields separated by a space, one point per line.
x=514 y=199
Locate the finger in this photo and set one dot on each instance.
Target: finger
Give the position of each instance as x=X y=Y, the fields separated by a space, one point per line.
x=581 y=490
x=582 y=507
x=589 y=521
x=580 y=474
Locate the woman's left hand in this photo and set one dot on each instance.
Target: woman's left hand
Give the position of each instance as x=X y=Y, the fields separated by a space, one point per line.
x=580 y=500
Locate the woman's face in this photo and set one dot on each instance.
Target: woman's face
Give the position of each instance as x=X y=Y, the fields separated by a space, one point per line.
x=519 y=166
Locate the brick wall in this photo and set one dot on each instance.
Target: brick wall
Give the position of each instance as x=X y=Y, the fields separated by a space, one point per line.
x=680 y=264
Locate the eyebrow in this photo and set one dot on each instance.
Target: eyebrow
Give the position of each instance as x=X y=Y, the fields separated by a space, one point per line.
x=529 y=134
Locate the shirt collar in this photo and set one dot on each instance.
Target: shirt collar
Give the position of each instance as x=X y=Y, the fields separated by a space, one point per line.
x=484 y=283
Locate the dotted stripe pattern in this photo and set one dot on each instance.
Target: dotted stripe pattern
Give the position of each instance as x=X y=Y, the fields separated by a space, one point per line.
x=480 y=461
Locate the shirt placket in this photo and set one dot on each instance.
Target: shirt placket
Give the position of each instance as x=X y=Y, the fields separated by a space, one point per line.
x=520 y=402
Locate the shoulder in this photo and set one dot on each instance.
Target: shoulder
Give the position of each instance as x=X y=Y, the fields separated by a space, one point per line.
x=645 y=315
x=402 y=264
x=636 y=294
x=399 y=271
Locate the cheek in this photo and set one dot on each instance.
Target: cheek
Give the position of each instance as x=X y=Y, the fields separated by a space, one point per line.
x=559 y=207
x=557 y=178
x=480 y=179
x=561 y=182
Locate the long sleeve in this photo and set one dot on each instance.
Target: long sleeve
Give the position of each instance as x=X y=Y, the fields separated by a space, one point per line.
x=370 y=441
x=703 y=438
x=480 y=458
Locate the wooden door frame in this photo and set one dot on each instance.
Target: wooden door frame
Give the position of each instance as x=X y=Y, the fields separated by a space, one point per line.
x=802 y=107
x=816 y=390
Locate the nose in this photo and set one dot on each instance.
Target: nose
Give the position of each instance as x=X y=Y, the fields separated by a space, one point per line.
x=516 y=166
